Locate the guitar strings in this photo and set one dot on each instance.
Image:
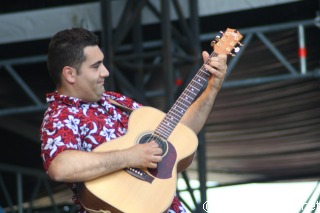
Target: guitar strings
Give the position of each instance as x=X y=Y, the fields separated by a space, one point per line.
x=156 y=138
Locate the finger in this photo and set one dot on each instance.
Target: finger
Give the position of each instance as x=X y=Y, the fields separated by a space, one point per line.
x=205 y=56
x=214 y=71
x=223 y=57
x=157 y=159
x=217 y=62
x=153 y=144
x=216 y=65
x=158 y=151
x=153 y=165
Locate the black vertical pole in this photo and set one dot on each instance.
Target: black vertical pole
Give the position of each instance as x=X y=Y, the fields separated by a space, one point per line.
x=201 y=152
x=106 y=40
x=166 y=52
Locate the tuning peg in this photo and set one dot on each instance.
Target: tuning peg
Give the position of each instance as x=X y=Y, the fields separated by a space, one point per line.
x=237 y=49
x=213 y=43
x=216 y=39
x=240 y=44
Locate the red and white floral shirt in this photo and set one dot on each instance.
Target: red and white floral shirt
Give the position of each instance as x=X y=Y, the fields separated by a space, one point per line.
x=73 y=124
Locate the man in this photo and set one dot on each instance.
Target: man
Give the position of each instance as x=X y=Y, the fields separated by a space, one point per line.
x=80 y=115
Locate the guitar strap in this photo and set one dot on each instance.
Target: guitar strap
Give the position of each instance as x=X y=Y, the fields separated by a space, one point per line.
x=124 y=108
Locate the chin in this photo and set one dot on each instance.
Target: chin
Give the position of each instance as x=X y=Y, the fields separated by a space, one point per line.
x=99 y=95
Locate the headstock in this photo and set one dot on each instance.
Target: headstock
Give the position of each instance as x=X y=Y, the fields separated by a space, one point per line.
x=224 y=45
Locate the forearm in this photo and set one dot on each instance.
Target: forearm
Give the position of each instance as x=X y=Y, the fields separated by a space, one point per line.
x=197 y=114
x=79 y=166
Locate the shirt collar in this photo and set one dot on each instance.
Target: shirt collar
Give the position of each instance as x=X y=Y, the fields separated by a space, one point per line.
x=72 y=101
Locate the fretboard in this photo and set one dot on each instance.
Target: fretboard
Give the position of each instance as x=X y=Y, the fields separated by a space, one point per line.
x=184 y=101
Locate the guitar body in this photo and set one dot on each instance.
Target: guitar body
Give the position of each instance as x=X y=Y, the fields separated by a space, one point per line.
x=123 y=191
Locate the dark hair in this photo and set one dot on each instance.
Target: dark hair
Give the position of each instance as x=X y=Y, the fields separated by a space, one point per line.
x=66 y=49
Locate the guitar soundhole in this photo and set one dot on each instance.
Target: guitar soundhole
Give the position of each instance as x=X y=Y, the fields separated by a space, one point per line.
x=162 y=143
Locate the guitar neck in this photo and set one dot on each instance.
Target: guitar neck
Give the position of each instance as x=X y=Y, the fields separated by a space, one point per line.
x=225 y=45
x=184 y=101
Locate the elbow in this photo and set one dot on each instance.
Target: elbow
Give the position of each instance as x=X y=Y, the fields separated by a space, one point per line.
x=55 y=173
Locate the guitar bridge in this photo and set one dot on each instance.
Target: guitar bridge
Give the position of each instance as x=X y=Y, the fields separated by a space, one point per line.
x=138 y=173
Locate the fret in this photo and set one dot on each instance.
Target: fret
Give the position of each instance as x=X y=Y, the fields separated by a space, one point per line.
x=185 y=102
x=172 y=118
x=186 y=98
x=168 y=122
x=192 y=92
x=201 y=78
x=171 y=122
x=196 y=84
x=205 y=73
x=164 y=133
x=180 y=109
x=177 y=111
x=185 y=106
x=164 y=129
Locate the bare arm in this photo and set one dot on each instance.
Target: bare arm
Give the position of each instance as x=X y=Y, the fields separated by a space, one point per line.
x=198 y=113
x=79 y=166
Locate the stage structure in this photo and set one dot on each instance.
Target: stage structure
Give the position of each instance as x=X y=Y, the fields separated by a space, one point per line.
x=136 y=57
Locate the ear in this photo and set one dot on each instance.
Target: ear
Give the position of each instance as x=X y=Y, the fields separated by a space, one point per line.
x=69 y=73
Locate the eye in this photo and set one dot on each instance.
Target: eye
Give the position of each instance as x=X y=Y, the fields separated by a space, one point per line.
x=96 y=66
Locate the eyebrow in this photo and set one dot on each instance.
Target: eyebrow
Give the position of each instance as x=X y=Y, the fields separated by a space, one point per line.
x=95 y=64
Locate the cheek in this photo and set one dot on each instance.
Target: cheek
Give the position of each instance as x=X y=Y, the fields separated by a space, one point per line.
x=91 y=82
x=87 y=85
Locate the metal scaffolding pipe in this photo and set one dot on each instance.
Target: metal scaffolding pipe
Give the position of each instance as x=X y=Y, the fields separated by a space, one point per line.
x=23 y=84
x=20 y=192
x=23 y=170
x=25 y=109
x=262 y=80
x=302 y=50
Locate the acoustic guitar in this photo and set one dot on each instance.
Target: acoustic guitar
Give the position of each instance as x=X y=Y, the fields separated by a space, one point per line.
x=134 y=190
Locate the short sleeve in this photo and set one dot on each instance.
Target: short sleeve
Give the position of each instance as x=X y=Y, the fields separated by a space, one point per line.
x=58 y=133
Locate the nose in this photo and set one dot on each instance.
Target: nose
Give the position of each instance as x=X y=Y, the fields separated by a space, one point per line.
x=104 y=71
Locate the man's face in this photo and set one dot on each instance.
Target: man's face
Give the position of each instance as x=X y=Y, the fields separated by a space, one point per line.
x=90 y=78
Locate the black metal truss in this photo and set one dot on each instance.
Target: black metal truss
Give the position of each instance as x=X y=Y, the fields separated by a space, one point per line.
x=125 y=48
